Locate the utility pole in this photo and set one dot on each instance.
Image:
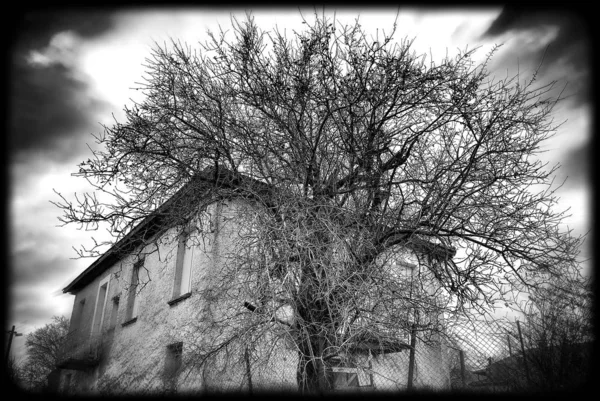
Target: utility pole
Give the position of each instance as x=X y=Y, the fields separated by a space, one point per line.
x=12 y=332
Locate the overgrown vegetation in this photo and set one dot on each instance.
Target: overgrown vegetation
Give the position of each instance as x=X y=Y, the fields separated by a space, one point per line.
x=43 y=352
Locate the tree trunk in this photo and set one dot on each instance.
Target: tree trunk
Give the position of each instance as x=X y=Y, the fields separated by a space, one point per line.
x=313 y=374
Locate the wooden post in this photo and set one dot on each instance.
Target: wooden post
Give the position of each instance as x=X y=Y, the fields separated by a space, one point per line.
x=370 y=372
x=411 y=360
x=490 y=375
x=462 y=368
x=524 y=356
x=248 y=371
x=509 y=347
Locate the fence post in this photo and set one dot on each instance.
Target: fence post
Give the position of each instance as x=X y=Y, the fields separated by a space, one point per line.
x=411 y=359
x=509 y=347
x=462 y=367
x=248 y=372
x=370 y=371
x=524 y=356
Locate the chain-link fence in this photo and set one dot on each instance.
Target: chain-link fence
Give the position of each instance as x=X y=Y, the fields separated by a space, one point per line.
x=485 y=356
x=470 y=356
x=503 y=356
x=473 y=356
x=422 y=366
x=467 y=356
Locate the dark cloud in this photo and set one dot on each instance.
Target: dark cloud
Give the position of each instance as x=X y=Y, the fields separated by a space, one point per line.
x=32 y=267
x=570 y=49
x=36 y=28
x=49 y=110
x=575 y=165
x=49 y=105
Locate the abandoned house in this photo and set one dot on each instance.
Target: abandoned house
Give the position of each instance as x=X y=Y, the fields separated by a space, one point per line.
x=143 y=310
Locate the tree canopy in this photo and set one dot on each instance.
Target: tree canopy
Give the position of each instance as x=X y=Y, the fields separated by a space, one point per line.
x=366 y=149
x=43 y=352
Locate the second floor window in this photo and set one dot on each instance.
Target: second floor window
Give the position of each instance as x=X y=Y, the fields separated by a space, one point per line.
x=77 y=317
x=114 y=313
x=183 y=265
x=133 y=294
x=100 y=308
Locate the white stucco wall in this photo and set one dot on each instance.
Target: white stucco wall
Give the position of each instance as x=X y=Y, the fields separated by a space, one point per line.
x=134 y=354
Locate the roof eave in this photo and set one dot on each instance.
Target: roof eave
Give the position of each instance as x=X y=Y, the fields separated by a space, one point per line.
x=135 y=237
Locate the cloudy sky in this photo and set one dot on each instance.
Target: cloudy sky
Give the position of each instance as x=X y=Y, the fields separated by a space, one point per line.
x=72 y=71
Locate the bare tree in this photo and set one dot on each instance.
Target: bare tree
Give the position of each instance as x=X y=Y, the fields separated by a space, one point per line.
x=43 y=351
x=559 y=334
x=350 y=149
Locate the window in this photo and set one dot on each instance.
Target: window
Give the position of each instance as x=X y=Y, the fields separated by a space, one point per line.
x=67 y=386
x=77 y=316
x=114 y=313
x=345 y=377
x=183 y=266
x=351 y=377
x=100 y=306
x=133 y=296
x=172 y=365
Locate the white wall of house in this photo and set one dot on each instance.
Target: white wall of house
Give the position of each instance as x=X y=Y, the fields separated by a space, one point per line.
x=136 y=352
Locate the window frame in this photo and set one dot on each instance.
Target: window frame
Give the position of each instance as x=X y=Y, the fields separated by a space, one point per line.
x=97 y=324
x=347 y=377
x=344 y=373
x=133 y=296
x=114 y=316
x=183 y=268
